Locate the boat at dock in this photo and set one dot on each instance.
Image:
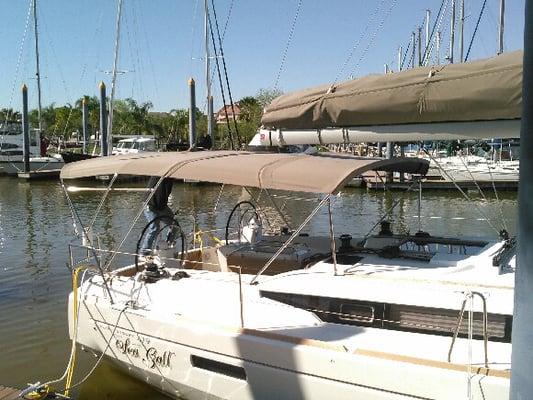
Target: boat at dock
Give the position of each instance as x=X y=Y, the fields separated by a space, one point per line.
x=12 y=149
x=258 y=308
x=264 y=312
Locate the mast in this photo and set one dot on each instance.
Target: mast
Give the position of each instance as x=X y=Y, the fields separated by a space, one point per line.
x=452 y=32
x=400 y=58
x=501 y=26
x=413 y=43
x=38 y=72
x=114 y=79
x=208 y=72
x=438 y=47
x=461 y=30
x=428 y=17
x=419 y=46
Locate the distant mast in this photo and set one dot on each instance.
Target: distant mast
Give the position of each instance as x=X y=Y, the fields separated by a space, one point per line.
x=428 y=18
x=208 y=73
x=400 y=52
x=114 y=80
x=501 y=26
x=452 y=32
x=38 y=72
x=461 y=30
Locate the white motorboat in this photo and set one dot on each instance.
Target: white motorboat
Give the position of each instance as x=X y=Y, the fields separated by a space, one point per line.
x=135 y=145
x=11 y=150
x=265 y=315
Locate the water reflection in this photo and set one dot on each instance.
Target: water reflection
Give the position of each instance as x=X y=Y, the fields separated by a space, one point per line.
x=36 y=227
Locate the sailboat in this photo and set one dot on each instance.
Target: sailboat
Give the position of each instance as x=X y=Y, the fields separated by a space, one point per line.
x=11 y=137
x=263 y=313
x=11 y=150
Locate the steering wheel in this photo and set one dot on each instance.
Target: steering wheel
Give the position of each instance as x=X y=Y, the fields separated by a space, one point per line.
x=247 y=214
x=175 y=233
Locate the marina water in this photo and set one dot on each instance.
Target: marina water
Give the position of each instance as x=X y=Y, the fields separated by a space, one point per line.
x=36 y=228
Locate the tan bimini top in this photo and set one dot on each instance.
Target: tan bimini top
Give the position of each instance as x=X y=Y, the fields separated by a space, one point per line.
x=321 y=173
x=482 y=90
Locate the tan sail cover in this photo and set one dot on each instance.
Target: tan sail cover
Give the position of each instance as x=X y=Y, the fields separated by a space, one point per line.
x=488 y=89
x=325 y=173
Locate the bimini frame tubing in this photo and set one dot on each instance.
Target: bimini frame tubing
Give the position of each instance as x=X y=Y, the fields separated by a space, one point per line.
x=86 y=237
x=291 y=238
x=84 y=232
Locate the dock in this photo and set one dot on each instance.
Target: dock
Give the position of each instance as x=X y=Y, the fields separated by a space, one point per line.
x=8 y=393
x=500 y=185
x=39 y=175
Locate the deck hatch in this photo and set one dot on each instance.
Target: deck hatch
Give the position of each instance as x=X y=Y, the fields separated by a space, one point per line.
x=218 y=367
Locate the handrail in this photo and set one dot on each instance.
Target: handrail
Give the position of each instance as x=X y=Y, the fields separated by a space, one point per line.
x=470 y=295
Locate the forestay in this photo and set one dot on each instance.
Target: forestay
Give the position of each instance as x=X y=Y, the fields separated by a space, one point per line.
x=483 y=90
x=321 y=173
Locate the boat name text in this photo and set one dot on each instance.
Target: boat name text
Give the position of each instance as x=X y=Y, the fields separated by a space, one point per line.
x=153 y=358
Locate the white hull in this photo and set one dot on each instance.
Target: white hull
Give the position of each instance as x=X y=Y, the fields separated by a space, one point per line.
x=36 y=164
x=477 y=168
x=175 y=342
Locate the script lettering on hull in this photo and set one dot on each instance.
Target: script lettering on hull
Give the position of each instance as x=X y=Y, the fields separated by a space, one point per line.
x=152 y=357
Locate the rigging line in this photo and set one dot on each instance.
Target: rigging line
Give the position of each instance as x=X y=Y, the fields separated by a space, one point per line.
x=405 y=55
x=499 y=202
x=108 y=345
x=289 y=39
x=239 y=142
x=193 y=29
x=359 y=41
x=138 y=62
x=475 y=29
x=461 y=190
x=375 y=34
x=116 y=54
x=389 y=211
x=74 y=336
x=19 y=59
x=97 y=33
x=150 y=62
x=482 y=193
x=495 y=21
x=472 y=177
x=444 y=13
x=425 y=57
x=61 y=75
x=225 y=28
x=227 y=20
x=222 y=92
x=411 y=59
x=128 y=29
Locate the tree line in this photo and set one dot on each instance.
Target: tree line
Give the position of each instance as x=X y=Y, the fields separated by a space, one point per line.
x=130 y=117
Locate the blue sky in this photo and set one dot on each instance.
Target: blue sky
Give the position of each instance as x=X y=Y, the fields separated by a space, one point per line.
x=162 y=45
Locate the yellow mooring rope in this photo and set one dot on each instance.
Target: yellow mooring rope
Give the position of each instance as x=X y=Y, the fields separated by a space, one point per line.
x=72 y=363
x=198 y=237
